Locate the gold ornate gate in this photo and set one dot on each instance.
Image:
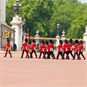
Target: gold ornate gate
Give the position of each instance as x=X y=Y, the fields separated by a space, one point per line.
x=6 y=32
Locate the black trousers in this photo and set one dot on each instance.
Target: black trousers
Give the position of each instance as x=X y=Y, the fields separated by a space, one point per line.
x=23 y=53
x=9 y=53
x=76 y=53
x=52 y=54
x=30 y=55
x=34 y=53
x=45 y=54
x=41 y=54
x=70 y=52
x=81 y=53
x=59 y=53
x=67 y=57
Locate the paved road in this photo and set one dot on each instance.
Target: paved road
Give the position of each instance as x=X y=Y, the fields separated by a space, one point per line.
x=16 y=72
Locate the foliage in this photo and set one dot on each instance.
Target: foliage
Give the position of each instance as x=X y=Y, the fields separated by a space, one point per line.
x=43 y=15
x=77 y=27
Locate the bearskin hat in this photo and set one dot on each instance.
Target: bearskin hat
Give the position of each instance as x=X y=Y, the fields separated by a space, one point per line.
x=51 y=41
x=81 y=42
x=66 y=41
x=61 y=42
x=71 y=41
x=34 y=41
x=26 y=39
x=47 y=42
x=29 y=42
x=76 y=41
x=8 y=40
x=42 y=41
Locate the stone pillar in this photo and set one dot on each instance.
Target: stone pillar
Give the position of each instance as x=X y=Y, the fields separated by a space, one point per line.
x=2 y=10
x=63 y=37
x=24 y=36
x=17 y=24
x=57 y=40
x=37 y=37
x=85 y=39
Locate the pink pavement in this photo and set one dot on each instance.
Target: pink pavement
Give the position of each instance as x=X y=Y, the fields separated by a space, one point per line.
x=17 y=72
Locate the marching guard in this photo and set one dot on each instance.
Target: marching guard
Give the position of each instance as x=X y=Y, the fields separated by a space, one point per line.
x=46 y=50
x=42 y=49
x=81 y=49
x=8 y=48
x=29 y=49
x=60 y=50
x=25 y=48
x=66 y=50
x=76 y=47
x=34 y=49
x=70 y=48
x=50 y=50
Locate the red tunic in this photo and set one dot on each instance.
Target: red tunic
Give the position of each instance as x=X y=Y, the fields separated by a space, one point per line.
x=76 y=48
x=42 y=48
x=34 y=47
x=46 y=48
x=81 y=48
x=60 y=48
x=50 y=47
x=8 y=46
x=29 y=47
x=25 y=46
x=70 y=47
x=65 y=47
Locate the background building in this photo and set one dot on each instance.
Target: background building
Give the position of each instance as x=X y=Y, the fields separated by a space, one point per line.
x=2 y=10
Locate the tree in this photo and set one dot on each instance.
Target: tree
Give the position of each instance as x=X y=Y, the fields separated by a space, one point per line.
x=43 y=15
x=77 y=27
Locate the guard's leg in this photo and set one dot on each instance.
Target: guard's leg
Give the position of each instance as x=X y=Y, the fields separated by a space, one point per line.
x=6 y=53
x=10 y=54
x=22 y=54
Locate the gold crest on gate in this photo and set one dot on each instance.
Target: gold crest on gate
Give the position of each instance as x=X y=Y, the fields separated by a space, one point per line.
x=6 y=34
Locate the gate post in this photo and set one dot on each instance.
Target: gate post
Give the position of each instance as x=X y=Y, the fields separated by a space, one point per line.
x=37 y=36
x=17 y=24
x=57 y=40
x=85 y=38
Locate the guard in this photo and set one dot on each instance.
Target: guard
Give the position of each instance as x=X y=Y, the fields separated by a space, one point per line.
x=42 y=49
x=8 y=48
x=60 y=47
x=50 y=50
x=34 y=49
x=81 y=49
x=66 y=50
x=46 y=50
x=70 y=48
x=76 y=47
x=29 y=49
x=25 y=48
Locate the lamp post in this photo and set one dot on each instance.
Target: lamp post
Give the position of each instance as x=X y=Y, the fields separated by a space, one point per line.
x=58 y=29
x=24 y=25
x=17 y=6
